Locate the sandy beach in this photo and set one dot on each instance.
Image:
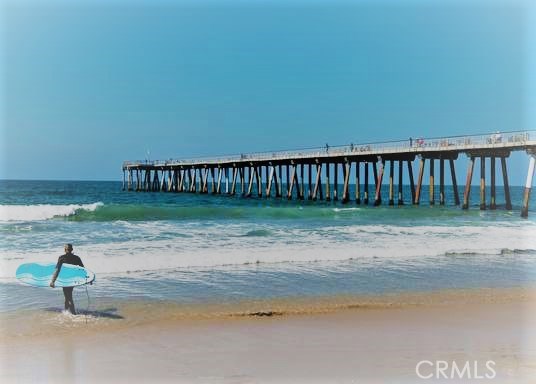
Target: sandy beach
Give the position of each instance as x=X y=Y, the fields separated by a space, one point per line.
x=345 y=340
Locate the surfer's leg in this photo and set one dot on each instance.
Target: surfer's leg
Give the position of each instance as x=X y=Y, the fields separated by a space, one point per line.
x=66 y=294
x=69 y=303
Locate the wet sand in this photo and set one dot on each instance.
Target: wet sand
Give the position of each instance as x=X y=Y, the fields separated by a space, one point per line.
x=340 y=340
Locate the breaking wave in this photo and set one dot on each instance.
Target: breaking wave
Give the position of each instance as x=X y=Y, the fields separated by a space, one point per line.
x=43 y=211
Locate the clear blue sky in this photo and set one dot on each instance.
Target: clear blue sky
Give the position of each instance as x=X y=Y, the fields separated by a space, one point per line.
x=84 y=87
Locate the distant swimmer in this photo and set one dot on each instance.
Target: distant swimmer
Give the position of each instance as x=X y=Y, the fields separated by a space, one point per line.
x=68 y=258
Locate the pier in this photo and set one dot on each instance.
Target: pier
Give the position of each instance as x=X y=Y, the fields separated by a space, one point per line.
x=313 y=173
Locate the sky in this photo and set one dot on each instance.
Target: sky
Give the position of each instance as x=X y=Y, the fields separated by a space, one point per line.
x=85 y=86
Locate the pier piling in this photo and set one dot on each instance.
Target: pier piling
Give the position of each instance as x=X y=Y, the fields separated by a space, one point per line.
x=492 y=204
x=468 y=180
x=432 y=182
x=411 y=181
x=441 y=181
x=391 y=183
x=482 y=183
x=378 y=197
x=365 y=187
x=454 y=183
x=357 y=184
x=400 y=182
x=508 y=200
x=528 y=187
x=419 y=182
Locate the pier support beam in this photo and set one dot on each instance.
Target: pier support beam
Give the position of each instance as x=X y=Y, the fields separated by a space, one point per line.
x=365 y=187
x=419 y=182
x=345 y=191
x=233 y=183
x=357 y=184
x=378 y=197
x=226 y=180
x=432 y=182
x=528 y=187
x=302 y=182
x=335 y=181
x=163 y=185
x=180 y=178
x=250 y=184
x=310 y=189
x=288 y=177
x=454 y=183
x=204 y=180
x=507 y=198
x=147 y=180
x=400 y=182
x=258 y=173
x=269 y=179
x=482 y=183
x=441 y=181
x=213 y=180
x=493 y=202
x=291 y=186
x=155 y=181
x=375 y=174
x=328 y=195
x=170 y=181
x=277 y=182
x=267 y=176
x=218 y=186
x=318 y=186
x=242 y=171
x=391 y=183
x=173 y=180
x=411 y=182
x=193 y=180
x=467 y=191
x=189 y=173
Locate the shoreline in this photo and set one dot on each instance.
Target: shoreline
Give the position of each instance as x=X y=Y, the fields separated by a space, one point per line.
x=333 y=341
x=113 y=315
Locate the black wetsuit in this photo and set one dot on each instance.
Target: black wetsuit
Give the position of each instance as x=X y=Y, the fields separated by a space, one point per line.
x=69 y=258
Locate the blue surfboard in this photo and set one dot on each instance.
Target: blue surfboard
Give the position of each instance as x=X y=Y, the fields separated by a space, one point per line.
x=40 y=275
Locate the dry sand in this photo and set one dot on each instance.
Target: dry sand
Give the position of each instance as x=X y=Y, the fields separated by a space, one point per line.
x=379 y=340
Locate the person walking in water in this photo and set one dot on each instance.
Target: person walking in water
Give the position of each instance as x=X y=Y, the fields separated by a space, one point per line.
x=68 y=258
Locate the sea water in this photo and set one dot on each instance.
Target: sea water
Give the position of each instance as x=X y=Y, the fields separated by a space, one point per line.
x=184 y=248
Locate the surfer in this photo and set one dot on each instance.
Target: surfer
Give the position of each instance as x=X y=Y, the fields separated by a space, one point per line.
x=68 y=258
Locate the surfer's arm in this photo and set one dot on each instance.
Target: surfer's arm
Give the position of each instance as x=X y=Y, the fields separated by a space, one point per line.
x=54 y=277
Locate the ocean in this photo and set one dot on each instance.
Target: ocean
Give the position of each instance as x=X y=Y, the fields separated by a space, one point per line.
x=186 y=249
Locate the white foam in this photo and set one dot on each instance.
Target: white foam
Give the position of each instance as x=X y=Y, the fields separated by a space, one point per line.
x=42 y=211
x=219 y=244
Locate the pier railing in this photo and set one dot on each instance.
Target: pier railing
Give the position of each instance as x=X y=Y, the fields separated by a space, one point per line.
x=414 y=144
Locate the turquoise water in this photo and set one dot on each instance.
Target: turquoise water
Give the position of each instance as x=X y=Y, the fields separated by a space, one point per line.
x=201 y=248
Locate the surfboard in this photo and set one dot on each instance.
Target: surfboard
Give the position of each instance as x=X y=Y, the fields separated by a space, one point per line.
x=40 y=275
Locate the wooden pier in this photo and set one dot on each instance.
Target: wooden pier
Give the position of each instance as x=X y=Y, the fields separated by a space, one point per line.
x=308 y=174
